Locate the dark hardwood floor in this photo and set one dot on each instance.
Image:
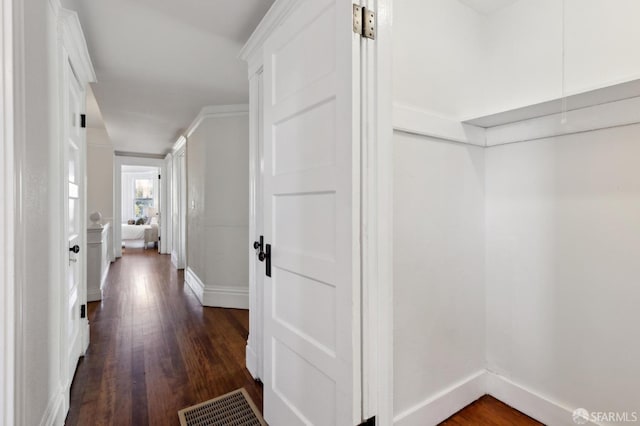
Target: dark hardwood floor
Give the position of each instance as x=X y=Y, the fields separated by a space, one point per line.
x=488 y=411
x=155 y=350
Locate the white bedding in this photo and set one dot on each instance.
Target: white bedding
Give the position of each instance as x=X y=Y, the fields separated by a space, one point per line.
x=147 y=233
x=134 y=232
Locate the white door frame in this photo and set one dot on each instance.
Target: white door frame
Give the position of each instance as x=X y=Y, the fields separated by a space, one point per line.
x=72 y=53
x=377 y=207
x=166 y=242
x=179 y=203
x=128 y=160
x=253 y=354
x=10 y=133
x=377 y=217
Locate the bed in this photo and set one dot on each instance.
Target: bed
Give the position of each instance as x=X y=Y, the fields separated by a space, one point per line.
x=144 y=233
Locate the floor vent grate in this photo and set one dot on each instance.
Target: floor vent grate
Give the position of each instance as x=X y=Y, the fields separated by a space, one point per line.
x=233 y=409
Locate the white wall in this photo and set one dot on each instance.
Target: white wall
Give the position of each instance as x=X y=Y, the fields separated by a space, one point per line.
x=438 y=47
x=218 y=210
x=438 y=271
x=37 y=269
x=100 y=176
x=563 y=217
x=524 y=48
x=454 y=62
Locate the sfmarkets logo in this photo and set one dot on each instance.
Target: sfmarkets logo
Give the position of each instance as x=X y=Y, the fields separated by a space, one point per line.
x=582 y=416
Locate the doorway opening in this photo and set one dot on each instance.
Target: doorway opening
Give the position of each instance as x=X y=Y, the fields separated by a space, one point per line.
x=140 y=207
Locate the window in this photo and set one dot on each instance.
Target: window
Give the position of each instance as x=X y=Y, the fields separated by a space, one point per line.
x=143 y=196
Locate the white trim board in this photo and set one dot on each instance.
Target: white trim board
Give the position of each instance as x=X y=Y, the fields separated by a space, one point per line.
x=216 y=296
x=591 y=118
x=210 y=111
x=529 y=402
x=441 y=406
x=377 y=218
x=444 y=404
x=412 y=120
x=178 y=145
x=597 y=117
x=118 y=162
x=54 y=413
x=616 y=91
x=252 y=50
x=251 y=362
x=9 y=76
x=215 y=111
x=174 y=260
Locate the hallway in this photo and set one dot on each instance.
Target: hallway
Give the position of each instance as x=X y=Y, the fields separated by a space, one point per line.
x=154 y=349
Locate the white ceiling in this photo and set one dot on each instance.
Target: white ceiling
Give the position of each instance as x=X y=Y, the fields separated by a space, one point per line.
x=158 y=62
x=487 y=6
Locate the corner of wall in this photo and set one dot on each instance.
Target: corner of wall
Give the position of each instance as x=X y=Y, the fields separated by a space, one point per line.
x=441 y=406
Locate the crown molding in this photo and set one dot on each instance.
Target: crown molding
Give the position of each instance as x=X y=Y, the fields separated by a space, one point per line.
x=251 y=52
x=141 y=155
x=216 y=111
x=72 y=38
x=180 y=143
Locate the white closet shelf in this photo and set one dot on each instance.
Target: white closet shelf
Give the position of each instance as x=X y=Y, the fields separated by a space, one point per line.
x=604 y=95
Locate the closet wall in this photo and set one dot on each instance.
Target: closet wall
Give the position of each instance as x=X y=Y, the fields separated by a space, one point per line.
x=439 y=274
x=513 y=271
x=524 y=50
x=563 y=216
x=460 y=63
x=438 y=269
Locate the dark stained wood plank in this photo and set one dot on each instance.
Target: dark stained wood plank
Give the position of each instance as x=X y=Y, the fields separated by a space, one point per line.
x=154 y=350
x=488 y=411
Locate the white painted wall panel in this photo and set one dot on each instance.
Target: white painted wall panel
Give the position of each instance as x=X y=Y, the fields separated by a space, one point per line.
x=454 y=62
x=438 y=49
x=99 y=173
x=218 y=204
x=439 y=242
x=37 y=270
x=563 y=221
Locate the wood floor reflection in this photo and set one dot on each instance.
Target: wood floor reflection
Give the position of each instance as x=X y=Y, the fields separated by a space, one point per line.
x=155 y=350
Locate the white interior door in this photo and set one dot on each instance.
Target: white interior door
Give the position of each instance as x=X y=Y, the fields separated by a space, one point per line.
x=312 y=218
x=75 y=294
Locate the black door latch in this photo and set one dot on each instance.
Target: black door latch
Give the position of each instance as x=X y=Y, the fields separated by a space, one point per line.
x=264 y=254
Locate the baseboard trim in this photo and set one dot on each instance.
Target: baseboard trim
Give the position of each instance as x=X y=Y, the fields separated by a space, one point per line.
x=251 y=361
x=217 y=296
x=175 y=260
x=94 y=296
x=194 y=282
x=226 y=297
x=437 y=408
x=529 y=402
x=103 y=280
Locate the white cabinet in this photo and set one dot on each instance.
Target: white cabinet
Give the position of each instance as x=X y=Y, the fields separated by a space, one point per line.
x=98 y=260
